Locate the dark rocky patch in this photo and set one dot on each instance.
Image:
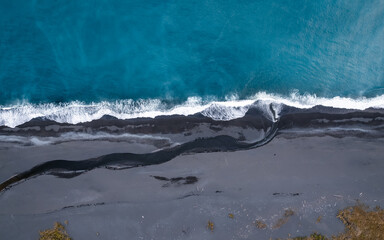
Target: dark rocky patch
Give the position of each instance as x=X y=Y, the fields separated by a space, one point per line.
x=177 y=180
x=84 y=205
x=286 y=194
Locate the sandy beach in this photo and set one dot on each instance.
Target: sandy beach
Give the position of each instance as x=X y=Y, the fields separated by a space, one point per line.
x=312 y=176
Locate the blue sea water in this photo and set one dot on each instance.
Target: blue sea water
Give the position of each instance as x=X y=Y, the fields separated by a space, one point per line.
x=92 y=51
x=60 y=51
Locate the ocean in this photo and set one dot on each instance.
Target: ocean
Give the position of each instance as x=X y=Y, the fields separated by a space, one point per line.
x=77 y=61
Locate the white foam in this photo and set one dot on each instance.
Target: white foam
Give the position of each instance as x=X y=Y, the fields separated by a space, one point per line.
x=77 y=112
x=68 y=137
x=308 y=101
x=222 y=112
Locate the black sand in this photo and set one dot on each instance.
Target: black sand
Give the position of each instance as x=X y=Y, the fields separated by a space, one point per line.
x=313 y=176
x=313 y=165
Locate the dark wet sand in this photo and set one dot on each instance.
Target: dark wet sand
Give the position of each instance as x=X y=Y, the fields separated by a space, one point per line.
x=313 y=176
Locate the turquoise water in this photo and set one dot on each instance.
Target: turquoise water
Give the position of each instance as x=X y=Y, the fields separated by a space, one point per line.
x=91 y=51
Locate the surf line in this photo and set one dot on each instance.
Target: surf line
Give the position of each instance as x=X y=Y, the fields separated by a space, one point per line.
x=117 y=161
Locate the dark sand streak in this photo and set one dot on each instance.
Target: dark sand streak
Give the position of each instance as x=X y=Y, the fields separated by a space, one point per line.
x=131 y=160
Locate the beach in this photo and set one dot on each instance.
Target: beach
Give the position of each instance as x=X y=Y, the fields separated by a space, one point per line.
x=198 y=120
x=313 y=176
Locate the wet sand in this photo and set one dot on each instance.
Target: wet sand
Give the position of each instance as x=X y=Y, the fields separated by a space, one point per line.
x=312 y=176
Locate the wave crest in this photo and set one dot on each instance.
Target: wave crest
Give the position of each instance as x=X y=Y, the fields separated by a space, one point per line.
x=77 y=112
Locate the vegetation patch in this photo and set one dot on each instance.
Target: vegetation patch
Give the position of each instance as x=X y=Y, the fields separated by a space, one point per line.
x=58 y=232
x=287 y=214
x=360 y=222
x=260 y=224
x=313 y=236
x=210 y=225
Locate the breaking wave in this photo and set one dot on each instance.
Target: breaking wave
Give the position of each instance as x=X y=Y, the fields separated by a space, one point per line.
x=78 y=112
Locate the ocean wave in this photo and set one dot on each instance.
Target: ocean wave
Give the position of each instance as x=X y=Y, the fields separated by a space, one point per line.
x=78 y=112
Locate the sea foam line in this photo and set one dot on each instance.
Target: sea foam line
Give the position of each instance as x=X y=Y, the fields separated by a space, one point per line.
x=77 y=112
x=67 y=137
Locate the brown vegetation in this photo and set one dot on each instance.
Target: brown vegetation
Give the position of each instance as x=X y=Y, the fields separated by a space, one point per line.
x=260 y=224
x=287 y=214
x=360 y=224
x=210 y=225
x=57 y=233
